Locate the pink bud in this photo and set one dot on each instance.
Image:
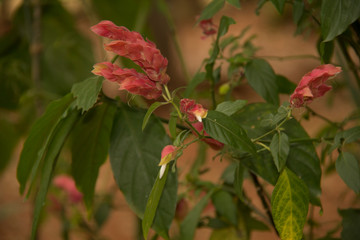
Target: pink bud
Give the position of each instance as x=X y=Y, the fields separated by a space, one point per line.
x=67 y=184
x=214 y=144
x=312 y=85
x=192 y=110
x=167 y=154
x=208 y=27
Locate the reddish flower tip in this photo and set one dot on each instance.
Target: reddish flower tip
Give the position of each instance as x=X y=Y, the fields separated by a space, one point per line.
x=192 y=110
x=312 y=85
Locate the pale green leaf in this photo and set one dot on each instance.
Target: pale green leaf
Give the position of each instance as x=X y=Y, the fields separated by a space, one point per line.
x=151 y=109
x=230 y=107
x=211 y=9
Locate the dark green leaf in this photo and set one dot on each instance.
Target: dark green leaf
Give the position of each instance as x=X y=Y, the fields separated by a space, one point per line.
x=284 y=85
x=38 y=138
x=211 y=9
x=52 y=149
x=347 y=136
x=225 y=206
x=290 y=203
x=279 y=4
x=238 y=180
x=188 y=226
x=298 y=10
x=195 y=81
x=230 y=107
x=325 y=50
x=280 y=147
x=224 y=129
x=90 y=146
x=86 y=92
x=235 y=3
x=347 y=166
x=151 y=109
x=350 y=223
x=336 y=16
x=134 y=157
x=153 y=201
x=262 y=79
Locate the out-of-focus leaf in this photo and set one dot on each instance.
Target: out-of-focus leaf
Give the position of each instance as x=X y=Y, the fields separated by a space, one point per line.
x=230 y=107
x=225 y=206
x=224 y=129
x=235 y=3
x=262 y=79
x=8 y=140
x=38 y=139
x=350 y=223
x=195 y=81
x=279 y=4
x=134 y=157
x=211 y=9
x=86 y=92
x=290 y=203
x=228 y=233
x=188 y=226
x=298 y=10
x=284 y=85
x=347 y=136
x=347 y=166
x=336 y=16
x=90 y=146
x=325 y=50
x=49 y=156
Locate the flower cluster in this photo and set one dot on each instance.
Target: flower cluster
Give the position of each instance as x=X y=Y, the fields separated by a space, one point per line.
x=312 y=85
x=142 y=52
x=208 y=27
x=192 y=110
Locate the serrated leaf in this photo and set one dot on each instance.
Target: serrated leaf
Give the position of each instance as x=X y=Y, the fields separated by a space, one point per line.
x=134 y=157
x=336 y=16
x=211 y=9
x=350 y=223
x=89 y=148
x=347 y=166
x=280 y=147
x=153 y=201
x=188 y=226
x=235 y=3
x=38 y=138
x=230 y=107
x=279 y=4
x=290 y=203
x=151 y=109
x=225 y=206
x=224 y=129
x=49 y=157
x=262 y=79
x=86 y=92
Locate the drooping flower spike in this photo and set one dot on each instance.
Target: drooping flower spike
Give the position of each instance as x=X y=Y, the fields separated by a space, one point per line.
x=312 y=85
x=192 y=110
x=142 y=52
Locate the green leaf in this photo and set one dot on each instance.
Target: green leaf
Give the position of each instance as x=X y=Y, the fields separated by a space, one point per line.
x=86 y=92
x=298 y=10
x=336 y=16
x=151 y=109
x=49 y=157
x=38 y=138
x=325 y=50
x=279 y=4
x=235 y=3
x=238 y=180
x=172 y=124
x=89 y=149
x=226 y=130
x=302 y=159
x=345 y=137
x=350 y=223
x=9 y=137
x=195 y=81
x=290 y=203
x=153 y=201
x=134 y=157
x=284 y=85
x=225 y=206
x=230 y=107
x=347 y=166
x=280 y=147
x=188 y=226
x=211 y=9
x=262 y=79
x=229 y=233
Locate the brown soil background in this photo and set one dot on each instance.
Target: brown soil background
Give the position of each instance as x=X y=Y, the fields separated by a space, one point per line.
x=275 y=37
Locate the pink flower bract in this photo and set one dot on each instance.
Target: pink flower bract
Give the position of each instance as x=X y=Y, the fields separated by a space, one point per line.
x=192 y=110
x=67 y=184
x=312 y=85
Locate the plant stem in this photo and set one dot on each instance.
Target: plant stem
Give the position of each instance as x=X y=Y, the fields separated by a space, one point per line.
x=261 y=193
x=291 y=57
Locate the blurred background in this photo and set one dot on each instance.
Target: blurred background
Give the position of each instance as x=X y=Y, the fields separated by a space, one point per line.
x=46 y=46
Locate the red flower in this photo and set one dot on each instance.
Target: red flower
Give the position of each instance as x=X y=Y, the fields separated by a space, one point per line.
x=67 y=184
x=214 y=144
x=312 y=85
x=208 y=27
x=192 y=110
